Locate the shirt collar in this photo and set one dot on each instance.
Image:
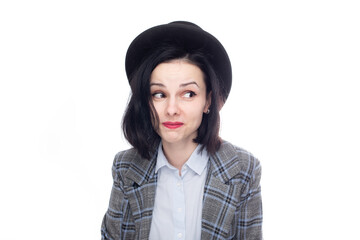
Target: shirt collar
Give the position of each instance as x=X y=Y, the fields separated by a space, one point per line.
x=197 y=161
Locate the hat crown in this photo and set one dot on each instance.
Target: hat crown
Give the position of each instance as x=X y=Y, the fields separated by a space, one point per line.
x=188 y=35
x=185 y=23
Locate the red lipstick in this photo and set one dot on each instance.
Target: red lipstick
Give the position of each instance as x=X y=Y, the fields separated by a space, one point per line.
x=172 y=125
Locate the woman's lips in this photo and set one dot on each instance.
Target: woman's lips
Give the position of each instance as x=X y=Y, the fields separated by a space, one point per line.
x=172 y=125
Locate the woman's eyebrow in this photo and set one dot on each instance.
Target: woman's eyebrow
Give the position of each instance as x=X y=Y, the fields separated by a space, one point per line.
x=157 y=84
x=181 y=85
x=189 y=83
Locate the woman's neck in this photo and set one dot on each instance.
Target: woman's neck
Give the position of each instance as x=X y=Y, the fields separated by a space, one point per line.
x=177 y=154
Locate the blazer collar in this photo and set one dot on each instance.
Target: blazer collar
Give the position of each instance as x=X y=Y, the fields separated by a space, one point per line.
x=224 y=166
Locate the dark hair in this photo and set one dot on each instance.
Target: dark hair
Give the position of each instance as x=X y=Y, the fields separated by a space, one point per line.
x=140 y=116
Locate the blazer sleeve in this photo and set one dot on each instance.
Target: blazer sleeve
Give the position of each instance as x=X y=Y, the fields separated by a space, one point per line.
x=251 y=215
x=116 y=219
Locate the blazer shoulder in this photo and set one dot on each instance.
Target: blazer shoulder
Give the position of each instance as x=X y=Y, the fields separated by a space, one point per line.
x=125 y=158
x=229 y=150
x=245 y=157
x=231 y=160
x=131 y=167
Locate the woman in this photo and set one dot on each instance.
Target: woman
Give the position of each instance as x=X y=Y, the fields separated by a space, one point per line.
x=180 y=180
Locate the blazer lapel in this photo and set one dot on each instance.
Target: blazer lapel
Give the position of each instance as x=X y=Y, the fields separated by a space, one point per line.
x=140 y=187
x=221 y=196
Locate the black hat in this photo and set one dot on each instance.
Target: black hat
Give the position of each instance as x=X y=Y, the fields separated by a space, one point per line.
x=190 y=36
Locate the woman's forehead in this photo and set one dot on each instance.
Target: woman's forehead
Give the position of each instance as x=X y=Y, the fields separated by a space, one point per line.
x=177 y=72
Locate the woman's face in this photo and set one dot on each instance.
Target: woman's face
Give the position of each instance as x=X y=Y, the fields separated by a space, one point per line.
x=179 y=97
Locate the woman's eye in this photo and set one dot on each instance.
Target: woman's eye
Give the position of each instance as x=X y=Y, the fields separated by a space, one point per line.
x=189 y=94
x=158 y=95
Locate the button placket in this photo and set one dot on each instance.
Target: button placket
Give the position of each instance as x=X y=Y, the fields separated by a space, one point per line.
x=179 y=209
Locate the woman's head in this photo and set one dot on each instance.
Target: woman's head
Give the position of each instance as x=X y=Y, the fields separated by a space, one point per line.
x=143 y=121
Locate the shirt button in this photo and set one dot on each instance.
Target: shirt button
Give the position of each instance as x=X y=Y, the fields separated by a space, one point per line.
x=178 y=184
x=179 y=209
x=179 y=235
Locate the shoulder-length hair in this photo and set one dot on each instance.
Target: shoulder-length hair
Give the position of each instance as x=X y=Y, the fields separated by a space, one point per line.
x=140 y=118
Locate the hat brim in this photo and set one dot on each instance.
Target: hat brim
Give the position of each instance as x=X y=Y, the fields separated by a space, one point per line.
x=192 y=38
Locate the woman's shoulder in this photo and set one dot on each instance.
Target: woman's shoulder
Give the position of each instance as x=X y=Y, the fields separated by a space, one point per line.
x=127 y=155
x=125 y=158
x=236 y=157
x=130 y=164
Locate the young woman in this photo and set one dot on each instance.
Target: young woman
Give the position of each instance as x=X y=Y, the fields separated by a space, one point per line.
x=180 y=180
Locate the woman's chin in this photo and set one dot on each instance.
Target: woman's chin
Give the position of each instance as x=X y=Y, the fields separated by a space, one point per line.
x=177 y=140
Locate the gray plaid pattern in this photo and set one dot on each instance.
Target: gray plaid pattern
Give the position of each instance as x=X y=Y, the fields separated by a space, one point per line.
x=232 y=206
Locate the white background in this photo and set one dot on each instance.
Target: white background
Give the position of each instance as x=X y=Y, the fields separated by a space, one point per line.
x=294 y=104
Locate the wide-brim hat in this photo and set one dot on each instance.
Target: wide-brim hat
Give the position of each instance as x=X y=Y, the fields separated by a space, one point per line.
x=193 y=38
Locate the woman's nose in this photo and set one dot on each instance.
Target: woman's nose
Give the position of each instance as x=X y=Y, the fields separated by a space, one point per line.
x=172 y=107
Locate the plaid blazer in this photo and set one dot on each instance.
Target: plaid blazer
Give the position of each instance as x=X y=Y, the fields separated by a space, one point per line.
x=232 y=207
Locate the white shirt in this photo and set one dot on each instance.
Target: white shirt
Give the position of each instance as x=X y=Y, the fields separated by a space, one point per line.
x=178 y=199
